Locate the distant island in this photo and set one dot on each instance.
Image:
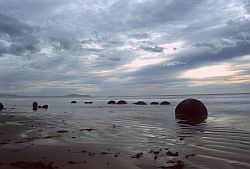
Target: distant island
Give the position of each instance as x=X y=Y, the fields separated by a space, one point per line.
x=76 y=95
x=65 y=96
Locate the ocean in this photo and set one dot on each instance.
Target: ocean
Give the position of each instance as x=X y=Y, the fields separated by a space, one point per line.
x=222 y=141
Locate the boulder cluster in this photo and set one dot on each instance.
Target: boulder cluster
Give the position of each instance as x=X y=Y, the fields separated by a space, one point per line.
x=36 y=106
x=119 y=102
x=189 y=111
x=138 y=103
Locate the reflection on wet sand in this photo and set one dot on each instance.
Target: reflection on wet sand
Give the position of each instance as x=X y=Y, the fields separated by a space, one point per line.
x=227 y=148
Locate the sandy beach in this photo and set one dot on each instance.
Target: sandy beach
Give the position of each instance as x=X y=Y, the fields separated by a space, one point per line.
x=23 y=149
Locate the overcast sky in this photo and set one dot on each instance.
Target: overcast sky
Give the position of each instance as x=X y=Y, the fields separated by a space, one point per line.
x=124 y=47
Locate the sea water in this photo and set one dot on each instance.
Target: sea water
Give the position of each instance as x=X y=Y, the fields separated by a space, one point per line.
x=223 y=138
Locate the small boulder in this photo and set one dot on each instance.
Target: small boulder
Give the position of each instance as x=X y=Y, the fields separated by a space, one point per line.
x=1 y=106
x=191 y=111
x=45 y=106
x=140 y=103
x=165 y=103
x=73 y=101
x=121 y=102
x=154 y=103
x=88 y=102
x=111 y=102
x=35 y=105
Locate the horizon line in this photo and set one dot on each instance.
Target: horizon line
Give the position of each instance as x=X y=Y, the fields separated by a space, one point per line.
x=88 y=95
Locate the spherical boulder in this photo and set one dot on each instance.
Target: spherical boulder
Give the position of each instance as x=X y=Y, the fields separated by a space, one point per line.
x=35 y=105
x=191 y=111
x=111 y=102
x=165 y=103
x=121 y=102
x=140 y=103
x=154 y=103
x=73 y=101
x=1 y=106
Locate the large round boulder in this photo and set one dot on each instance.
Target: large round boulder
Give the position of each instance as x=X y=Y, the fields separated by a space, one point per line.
x=191 y=111
x=73 y=102
x=111 y=102
x=121 y=102
x=1 y=106
x=140 y=103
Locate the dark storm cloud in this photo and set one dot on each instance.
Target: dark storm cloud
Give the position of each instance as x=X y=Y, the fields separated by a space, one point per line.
x=16 y=37
x=12 y=26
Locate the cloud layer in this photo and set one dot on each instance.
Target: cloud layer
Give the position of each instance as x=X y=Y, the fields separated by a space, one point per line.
x=120 y=47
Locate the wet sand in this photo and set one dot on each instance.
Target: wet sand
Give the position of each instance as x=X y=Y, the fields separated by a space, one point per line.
x=64 y=156
x=26 y=144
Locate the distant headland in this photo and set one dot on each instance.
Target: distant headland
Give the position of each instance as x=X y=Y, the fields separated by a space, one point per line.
x=64 y=96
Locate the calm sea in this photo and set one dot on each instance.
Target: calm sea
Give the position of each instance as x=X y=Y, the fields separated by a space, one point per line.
x=223 y=139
